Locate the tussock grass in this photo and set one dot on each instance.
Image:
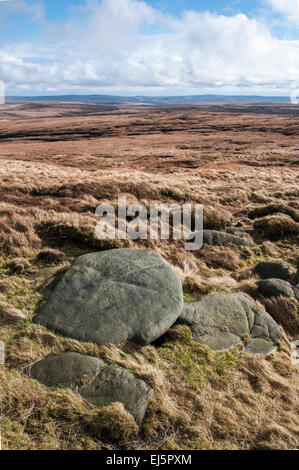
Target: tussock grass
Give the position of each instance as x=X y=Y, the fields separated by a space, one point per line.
x=271 y=209
x=49 y=192
x=285 y=311
x=276 y=228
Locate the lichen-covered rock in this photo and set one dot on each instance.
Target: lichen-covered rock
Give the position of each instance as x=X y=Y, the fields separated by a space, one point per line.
x=272 y=269
x=64 y=370
x=106 y=383
x=260 y=346
x=222 y=321
x=215 y=238
x=115 y=295
x=275 y=288
x=115 y=384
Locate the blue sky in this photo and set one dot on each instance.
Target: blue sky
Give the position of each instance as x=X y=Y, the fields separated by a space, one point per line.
x=150 y=46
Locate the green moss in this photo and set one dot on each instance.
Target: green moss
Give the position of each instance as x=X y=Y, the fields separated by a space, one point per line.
x=198 y=362
x=190 y=298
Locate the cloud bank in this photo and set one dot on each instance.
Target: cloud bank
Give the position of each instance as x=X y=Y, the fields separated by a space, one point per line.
x=128 y=46
x=289 y=8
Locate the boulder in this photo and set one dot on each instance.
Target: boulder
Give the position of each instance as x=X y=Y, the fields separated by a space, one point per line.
x=272 y=269
x=63 y=370
x=275 y=288
x=115 y=384
x=113 y=296
x=107 y=383
x=260 y=346
x=215 y=238
x=222 y=321
x=296 y=292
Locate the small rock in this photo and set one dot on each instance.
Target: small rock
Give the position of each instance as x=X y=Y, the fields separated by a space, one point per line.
x=215 y=238
x=108 y=383
x=260 y=346
x=115 y=384
x=63 y=370
x=272 y=269
x=275 y=288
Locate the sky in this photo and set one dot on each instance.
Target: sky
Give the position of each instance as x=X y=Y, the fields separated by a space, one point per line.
x=149 y=47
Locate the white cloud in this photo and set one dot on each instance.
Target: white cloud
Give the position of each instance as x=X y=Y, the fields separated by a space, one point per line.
x=126 y=45
x=289 y=8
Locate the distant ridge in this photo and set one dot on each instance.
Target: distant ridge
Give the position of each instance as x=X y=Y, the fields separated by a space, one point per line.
x=150 y=100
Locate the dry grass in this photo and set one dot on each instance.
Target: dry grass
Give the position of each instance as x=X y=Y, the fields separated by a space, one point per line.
x=276 y=228
x=286 y=312
x=49 y=191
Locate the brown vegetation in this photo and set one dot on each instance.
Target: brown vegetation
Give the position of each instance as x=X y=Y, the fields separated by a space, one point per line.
x=57 y=163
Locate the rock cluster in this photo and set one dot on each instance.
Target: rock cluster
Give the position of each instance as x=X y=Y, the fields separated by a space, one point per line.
x=222 y=321
x=107 y=383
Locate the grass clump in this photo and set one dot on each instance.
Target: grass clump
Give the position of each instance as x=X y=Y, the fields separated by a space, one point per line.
x=276 y=228
x=112 y=423
x=60 y=234
x=18 y=266
x=213 y=219
x=50 y=256
x=271 y=209
x=285 y=312
x=220 y=258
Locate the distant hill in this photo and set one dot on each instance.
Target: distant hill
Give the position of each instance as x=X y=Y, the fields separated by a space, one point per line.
x=150 y=100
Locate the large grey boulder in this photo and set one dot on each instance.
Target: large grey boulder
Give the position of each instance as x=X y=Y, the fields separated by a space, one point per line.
x=63 y=370
x=215 y=238
x=296 y=292
x=222 y=321
x=275 y=288
x=115 y=384
x=272 y=269
x=114 y=295
x=107 y=383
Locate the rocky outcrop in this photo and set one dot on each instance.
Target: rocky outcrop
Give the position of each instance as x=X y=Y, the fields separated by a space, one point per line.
x=222 y=321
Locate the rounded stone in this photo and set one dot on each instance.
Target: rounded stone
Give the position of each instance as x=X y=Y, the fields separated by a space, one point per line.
x=223 y=321
x=275 y=288
x=113 y=296
x=216 y=238
x=63 y=370
x=272 y=269
x=116 y=384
